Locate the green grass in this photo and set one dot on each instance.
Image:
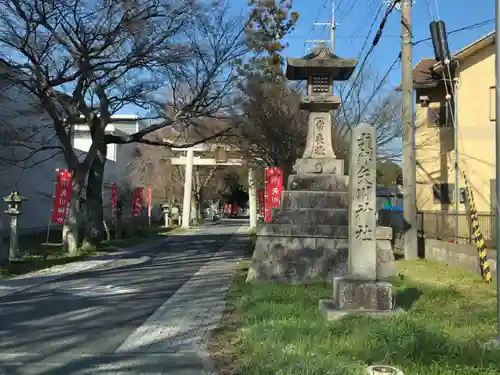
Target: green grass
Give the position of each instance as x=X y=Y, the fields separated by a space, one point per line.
x=34 y=255
x=273 y=329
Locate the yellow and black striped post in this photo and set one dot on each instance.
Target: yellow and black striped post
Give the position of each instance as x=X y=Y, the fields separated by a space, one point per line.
x=477 y=235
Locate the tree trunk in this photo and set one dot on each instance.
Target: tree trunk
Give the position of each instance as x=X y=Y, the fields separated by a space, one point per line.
x=94 y=229
x=71 y=237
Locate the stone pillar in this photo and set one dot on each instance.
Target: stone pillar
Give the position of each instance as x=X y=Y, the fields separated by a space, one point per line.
x=361 y=290
x=362 y=261
x=188 y=188
x=252 y=198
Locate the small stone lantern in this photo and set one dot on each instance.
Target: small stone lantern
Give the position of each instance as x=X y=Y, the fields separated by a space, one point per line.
x=165 y=209
x=14 y=202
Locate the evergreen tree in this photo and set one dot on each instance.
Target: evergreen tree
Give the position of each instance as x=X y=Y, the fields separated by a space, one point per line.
x=270 y=22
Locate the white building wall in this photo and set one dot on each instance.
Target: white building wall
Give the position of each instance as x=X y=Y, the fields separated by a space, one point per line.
x=35 y=178
x=22 y=118
x=119 y=157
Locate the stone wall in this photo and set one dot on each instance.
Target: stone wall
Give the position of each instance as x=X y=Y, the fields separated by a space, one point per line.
x=462 y=256
x=300 y=260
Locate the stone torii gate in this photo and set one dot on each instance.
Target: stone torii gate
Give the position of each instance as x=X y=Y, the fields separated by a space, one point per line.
x=190 y=161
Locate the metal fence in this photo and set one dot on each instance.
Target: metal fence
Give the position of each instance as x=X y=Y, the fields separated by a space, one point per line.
x=442 y=225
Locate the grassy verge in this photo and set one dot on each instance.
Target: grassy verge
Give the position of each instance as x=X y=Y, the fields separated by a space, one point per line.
x=272 y=329
x=34 y=256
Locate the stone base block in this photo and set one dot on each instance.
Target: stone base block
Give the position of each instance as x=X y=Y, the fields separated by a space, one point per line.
x=316 y=182
x=314 y=199
x=303 y=230
x=331 y=312
x=293 y=260
x=312 y=216
x=353 y=294
x=316 y=165
x=386 y=263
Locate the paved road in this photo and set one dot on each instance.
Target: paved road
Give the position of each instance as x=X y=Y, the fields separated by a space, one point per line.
x=71 y=325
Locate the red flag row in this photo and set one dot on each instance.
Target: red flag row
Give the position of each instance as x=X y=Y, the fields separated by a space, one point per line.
x=63 y=192
x=138 y=199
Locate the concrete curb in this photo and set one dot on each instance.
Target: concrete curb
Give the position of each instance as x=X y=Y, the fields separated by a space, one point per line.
x=34 y=279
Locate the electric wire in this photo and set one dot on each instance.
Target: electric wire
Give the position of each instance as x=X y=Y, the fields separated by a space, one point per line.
x=379 y=86
x=362 y=65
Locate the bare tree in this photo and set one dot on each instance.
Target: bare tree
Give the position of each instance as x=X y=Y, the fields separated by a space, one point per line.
x=272 y=129
x=201 y=86
x=369 y=99
x=89 y=60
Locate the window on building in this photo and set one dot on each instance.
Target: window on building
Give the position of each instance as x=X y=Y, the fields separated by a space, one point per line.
x=441 y=115
x=443 y=193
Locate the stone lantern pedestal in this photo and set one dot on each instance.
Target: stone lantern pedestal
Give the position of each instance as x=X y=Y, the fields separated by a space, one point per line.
x=307 y=239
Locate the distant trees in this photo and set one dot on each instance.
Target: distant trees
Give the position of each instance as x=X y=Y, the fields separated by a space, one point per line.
x=270 y=127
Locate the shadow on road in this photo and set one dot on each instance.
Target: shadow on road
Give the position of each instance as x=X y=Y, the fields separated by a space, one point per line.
x=76 y=324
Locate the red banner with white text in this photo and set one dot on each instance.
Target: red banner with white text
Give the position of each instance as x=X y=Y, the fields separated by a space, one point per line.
x=62 y=196
x=137 y=202
x=274 y=187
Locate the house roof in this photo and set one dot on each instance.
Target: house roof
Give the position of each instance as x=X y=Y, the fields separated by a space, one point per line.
x=471 y=49
x=423 y=75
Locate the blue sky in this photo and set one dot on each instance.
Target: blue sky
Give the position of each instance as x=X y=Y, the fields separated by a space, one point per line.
x=354 y=18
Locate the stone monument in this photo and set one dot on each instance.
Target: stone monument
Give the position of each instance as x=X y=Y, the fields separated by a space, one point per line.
x=365 y=288
x=307 y=239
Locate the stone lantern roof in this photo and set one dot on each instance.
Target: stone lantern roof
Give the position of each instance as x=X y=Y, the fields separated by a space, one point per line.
x=320 y=61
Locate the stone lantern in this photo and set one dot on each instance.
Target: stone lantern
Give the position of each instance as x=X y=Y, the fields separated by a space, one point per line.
x=319 y=68
x=165 y=209
x=307 y=239
x=14 y=202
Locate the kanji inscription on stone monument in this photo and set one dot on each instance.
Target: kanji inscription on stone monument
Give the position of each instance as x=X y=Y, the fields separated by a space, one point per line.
x=362 y=186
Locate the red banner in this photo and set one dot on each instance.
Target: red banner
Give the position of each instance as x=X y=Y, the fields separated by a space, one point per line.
x=113 y=199
x=150 y=194
x=274 y=187
x=137 y=202
x=62 y=196
x=261 y=199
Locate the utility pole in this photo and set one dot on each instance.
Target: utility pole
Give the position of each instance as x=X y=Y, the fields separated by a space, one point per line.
x=409 y=161
x=497 y=162
x=332 y=30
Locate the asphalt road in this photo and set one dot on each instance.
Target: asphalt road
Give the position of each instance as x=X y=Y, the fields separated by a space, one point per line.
x=92 y=313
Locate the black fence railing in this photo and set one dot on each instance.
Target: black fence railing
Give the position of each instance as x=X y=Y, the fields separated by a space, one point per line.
x=442 y=225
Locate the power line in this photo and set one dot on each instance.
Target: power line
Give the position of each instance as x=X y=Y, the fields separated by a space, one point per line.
x=380 y=84
x=317 y=18
x=372 y=47
x=370 y=30
x=469 y=27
